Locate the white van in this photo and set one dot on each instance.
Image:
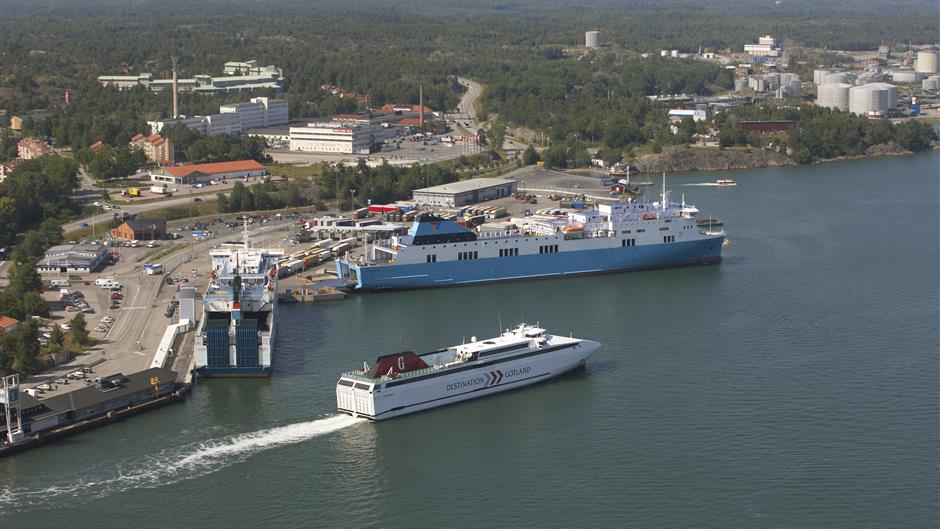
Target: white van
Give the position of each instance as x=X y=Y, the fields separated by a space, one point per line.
x=60 y=283
x=104 y=281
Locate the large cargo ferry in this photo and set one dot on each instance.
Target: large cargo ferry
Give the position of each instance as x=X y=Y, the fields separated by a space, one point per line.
x=619 y=236
x=237 y=333
x=406 y=382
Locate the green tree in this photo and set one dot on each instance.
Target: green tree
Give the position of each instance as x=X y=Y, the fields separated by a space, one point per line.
x=79 y=329
x=530 y=156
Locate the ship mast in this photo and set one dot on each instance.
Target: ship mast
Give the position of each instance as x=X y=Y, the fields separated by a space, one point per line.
x=663 y=199
x=245 y=233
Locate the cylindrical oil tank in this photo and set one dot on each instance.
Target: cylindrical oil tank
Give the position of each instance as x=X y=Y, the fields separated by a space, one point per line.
x=593 y=39
x=835 y=78
x=868 y=77
x=835 y=95
x=740 y=85
x=761 y=85
x=873 y=97
x=905 y=76
x=819 y=73
x=927 y=62
x=794 y=87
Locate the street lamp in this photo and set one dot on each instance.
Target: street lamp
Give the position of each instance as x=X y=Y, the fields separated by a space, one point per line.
x=352 y=193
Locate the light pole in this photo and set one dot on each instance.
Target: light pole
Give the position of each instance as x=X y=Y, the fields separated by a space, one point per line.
x=352 y=193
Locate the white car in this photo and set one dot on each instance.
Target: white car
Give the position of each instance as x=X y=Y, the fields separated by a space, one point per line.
x=44 y=387
x=76 y=374
x=107 y=319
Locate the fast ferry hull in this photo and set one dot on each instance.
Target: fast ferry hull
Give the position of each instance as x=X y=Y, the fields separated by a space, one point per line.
x=234 y=372
x=565 y=263
x=400 y=397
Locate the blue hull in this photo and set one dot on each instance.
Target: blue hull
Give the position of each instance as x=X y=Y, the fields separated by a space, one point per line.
x=468 y=272
x=233 y=372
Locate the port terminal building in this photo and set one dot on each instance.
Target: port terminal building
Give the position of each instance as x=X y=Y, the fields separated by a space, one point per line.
x=76 y=258
x=207 y=172
x=465 y=192
x=109 y=393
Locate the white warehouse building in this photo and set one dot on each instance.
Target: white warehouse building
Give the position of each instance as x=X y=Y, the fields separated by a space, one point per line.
x=336 y=137
x=233 y=119
x=465 y=192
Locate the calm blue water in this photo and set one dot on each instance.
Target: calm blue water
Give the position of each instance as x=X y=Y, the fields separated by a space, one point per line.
x=795 y=385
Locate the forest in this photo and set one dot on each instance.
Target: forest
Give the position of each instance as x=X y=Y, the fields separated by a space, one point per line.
x=521 y=49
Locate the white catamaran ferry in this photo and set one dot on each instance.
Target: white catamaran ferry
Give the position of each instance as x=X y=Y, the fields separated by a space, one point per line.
x=407 y=382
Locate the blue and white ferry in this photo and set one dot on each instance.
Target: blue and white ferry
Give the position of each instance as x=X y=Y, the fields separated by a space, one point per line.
x=235 y=337
x=614 y=237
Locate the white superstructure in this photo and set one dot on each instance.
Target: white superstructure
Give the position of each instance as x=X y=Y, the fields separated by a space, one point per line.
x=234 y=118
x=766 y=47
x=406 y=382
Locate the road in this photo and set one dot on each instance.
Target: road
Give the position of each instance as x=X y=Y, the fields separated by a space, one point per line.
x=465 y=107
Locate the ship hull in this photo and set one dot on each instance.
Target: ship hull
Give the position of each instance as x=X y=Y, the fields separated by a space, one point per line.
x=561 y=264
x=398 y=398
x=234 y=372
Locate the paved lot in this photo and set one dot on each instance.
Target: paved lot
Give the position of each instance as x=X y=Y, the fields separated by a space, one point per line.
x=140 y=322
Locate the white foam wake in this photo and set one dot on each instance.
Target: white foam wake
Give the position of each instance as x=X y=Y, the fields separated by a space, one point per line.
x=176 y=464
x=706 y=184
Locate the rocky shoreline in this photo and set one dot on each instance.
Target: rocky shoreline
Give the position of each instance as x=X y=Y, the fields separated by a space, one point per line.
x=679 y=159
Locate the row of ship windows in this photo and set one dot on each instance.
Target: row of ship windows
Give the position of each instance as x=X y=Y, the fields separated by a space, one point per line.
x=551 y=248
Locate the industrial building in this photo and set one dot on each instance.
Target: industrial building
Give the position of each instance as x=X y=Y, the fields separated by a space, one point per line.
x=465 y=192
x=206 y=172
x=26 y=415
x=140 y=230
x=78 y=258
x=240 y=76
x=593 y=39
x=336 y=137
x=233 y=119
x=873 y=99
x=766 y=47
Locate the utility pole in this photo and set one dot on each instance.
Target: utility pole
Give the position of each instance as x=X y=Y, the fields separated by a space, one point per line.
x=352 y=193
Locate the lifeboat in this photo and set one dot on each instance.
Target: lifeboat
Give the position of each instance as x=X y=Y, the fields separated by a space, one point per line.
x=648 y=216
x=273 y=272
x=271 y=287
x=573 y=228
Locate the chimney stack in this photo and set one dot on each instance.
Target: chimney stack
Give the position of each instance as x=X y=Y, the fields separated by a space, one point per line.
x=421 y=105
x=175 y=91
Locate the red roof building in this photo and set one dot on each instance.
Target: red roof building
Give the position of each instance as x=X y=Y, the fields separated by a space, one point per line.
x=201 y=173
x=7 y=324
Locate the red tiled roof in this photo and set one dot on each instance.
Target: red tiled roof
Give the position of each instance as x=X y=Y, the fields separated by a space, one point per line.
x=410 y=121
x=96 y=146
x=182 y=171
x=153 y=137
x=137 y=137
x=6 y=322
x=387 y=107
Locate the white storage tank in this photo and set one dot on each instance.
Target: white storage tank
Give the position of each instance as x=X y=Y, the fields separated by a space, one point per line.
x=926 y=62
x=905 y=76
x=835 y=78
x=740 y=85
x=593 y=39
x=869 y=76
x=794 y=87
x=873 y=97
x=820 y=73
x=931 y=83
x=835 y=95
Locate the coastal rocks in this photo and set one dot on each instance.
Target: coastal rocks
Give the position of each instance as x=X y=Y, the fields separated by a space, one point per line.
x=679 y=159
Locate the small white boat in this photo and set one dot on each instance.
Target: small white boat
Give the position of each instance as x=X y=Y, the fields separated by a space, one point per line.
x=726 y=182
x=407 y=382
